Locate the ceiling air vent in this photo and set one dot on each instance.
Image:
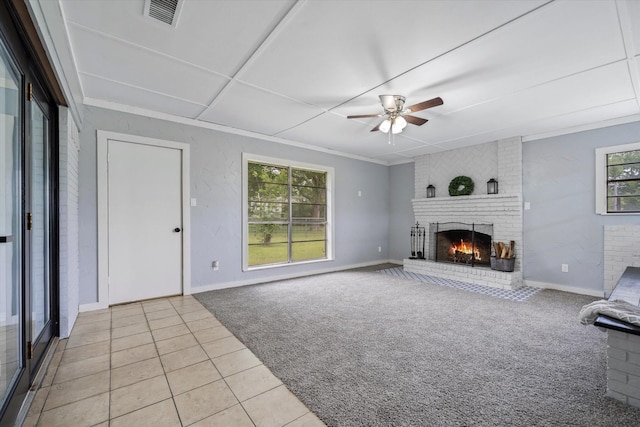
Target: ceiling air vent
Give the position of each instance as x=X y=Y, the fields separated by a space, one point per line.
x=166 y=11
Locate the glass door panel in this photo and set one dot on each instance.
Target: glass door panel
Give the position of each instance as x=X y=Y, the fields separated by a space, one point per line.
x=10 y=227
x=39 y=261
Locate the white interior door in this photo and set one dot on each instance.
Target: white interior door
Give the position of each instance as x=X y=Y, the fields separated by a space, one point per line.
x=144 y=221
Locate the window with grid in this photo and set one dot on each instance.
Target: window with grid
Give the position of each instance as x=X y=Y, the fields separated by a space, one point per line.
x=286 y=214
x=623 y=182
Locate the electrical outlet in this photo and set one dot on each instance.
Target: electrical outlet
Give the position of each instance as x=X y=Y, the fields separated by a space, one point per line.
x=379 y=248
x=565 y=268
x=215 y=265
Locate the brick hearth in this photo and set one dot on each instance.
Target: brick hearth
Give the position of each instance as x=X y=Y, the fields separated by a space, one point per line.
x=464 y=273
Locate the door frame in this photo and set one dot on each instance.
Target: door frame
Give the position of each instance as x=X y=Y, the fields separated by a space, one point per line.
x=103 y=138
x=19 y=37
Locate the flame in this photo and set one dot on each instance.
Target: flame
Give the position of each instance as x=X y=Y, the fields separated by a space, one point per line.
x=465 y=248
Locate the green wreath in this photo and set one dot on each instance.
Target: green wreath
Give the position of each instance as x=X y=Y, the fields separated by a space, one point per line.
x=461 y=186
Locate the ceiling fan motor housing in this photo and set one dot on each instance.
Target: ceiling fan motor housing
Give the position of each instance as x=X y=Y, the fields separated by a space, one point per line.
x=392 y=103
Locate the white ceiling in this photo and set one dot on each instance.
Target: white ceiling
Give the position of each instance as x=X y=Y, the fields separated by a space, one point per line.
x=293 y=70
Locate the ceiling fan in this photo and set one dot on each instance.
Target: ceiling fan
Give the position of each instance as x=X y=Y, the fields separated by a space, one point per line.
x=397 y=115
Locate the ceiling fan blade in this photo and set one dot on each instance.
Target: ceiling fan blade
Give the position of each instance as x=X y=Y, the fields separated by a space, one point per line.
x=363 y=116
x=426 y=104
x=418 y=121
x=377 y=127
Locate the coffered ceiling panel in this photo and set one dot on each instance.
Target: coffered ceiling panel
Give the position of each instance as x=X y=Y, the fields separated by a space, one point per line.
x=116 y=61
x=576 y=93
x=354 y=135
x=243 y=107
x=295 y=69
x=629 y=17
x=500 y=63
x=331 y=51
x=215 y=35
x=109 y=91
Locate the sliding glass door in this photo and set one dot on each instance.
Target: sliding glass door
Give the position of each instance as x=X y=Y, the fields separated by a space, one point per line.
x=28 y=304
x=10 y=225
x=38 y=228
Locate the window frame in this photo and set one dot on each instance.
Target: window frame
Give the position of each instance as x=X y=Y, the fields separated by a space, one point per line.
x=602 y=176
x=330 y=229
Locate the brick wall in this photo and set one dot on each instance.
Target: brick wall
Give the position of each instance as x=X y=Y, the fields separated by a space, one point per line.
x=621 y=250
x=623 y=367
x=478 y=162
x=69 y=149
x=510 y=166
x=501 y=160
x=501 y=210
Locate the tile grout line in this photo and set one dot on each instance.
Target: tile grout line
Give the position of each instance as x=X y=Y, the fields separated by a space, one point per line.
x=282 y=384
x=214 y=366
x=164 y=371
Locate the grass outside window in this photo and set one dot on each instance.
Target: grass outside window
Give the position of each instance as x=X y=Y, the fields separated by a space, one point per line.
x=286 y=214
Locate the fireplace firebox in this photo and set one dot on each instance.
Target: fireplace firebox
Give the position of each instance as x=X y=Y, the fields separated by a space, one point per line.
x=461 y=243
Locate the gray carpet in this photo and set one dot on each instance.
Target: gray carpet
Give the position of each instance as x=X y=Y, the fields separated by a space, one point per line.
x=366 y=349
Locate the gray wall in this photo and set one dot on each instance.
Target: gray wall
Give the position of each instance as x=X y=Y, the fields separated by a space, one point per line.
x=361 y=222
x=562 y=227
x=401 y=179
x=558 y=174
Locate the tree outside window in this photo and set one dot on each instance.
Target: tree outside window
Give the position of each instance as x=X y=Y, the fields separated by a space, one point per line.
x=287 y=214
x=623 y=181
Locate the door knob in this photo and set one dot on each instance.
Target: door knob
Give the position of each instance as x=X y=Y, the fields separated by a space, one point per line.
x=177 y=229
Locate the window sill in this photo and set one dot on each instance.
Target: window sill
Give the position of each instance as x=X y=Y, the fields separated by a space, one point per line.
x=618 y=213
x=290 y=264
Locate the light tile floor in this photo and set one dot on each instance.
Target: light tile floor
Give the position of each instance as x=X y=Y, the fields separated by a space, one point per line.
x=163 y=362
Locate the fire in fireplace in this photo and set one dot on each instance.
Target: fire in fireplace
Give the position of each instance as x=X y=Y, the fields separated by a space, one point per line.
x=461 y=243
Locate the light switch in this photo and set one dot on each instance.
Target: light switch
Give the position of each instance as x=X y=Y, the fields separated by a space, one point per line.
x=193 y=202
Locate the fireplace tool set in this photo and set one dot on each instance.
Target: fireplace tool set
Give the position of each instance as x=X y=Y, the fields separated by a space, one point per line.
x=417 y=242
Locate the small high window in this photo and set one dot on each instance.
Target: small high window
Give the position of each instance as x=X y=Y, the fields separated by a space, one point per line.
x=623 y=181
x=618 y=179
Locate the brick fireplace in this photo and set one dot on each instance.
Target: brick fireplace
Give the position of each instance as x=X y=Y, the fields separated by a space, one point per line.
x=501 y=160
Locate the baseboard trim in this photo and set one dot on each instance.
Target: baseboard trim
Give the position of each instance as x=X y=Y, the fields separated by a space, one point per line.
x=255 y=281
x=564 y=288
x=92 y=306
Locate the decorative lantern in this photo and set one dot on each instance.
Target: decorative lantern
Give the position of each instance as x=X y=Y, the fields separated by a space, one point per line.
x=431 y=191
x=492 y=186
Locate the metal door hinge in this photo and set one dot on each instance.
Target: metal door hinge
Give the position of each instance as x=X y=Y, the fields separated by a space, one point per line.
x=30 y=90
x=29 y=350
x=29 y=221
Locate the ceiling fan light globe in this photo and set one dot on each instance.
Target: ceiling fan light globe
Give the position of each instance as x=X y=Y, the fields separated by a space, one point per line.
x=399 y=123
x=385 y=126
